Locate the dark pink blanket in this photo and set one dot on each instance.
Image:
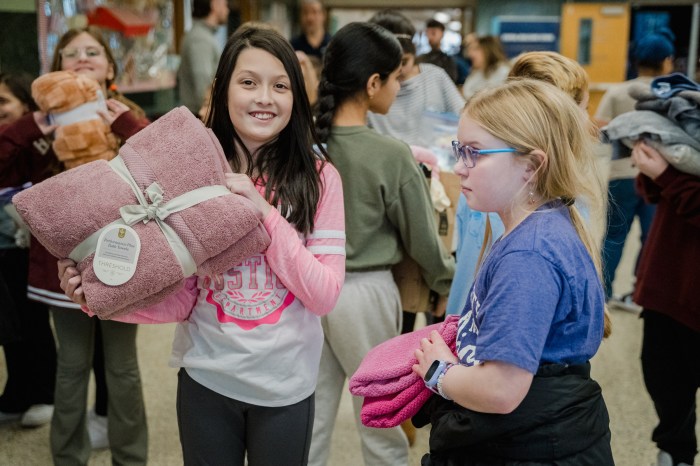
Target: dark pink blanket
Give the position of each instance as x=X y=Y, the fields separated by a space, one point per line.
x=180 y=154
x=392 y=391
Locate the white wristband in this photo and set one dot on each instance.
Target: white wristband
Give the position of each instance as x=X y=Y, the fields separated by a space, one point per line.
x=439 y=383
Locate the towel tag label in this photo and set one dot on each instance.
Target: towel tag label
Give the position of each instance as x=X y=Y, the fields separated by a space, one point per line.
x=117 y=253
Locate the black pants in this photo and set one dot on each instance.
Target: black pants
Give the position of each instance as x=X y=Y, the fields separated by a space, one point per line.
x=98 y=368
x=217 y=430
x=31 y=355
x=671 y=367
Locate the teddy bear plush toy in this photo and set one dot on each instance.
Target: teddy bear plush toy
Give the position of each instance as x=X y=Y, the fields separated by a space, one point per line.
x=72 y=101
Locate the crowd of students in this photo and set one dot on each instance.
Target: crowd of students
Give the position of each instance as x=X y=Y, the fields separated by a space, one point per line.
x=337 y=187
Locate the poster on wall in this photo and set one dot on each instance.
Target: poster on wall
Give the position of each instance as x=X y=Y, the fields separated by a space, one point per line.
x=520 y=34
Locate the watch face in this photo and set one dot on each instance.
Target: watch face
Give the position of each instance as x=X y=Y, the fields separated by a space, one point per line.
x=431 y=370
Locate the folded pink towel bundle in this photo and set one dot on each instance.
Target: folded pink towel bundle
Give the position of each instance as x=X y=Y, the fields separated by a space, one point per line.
x=392 y=391
x=181 y=155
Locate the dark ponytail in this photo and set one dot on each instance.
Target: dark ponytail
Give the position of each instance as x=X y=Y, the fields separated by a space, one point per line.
x=356 y=52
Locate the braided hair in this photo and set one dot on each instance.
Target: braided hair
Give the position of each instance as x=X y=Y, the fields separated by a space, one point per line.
x=354 y=54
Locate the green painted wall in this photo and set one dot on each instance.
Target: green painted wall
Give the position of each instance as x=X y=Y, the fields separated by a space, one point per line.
x=18 y=6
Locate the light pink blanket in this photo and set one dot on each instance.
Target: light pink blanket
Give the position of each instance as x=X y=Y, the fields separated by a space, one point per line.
x=180 y=154
x=392 y=391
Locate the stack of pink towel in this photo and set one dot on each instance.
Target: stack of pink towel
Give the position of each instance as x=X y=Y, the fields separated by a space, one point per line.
x=178 y=153
x=392 y=391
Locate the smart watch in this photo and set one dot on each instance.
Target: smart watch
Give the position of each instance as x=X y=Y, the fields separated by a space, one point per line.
x=433 y=377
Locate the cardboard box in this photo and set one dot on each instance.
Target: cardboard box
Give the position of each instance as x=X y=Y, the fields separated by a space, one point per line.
x=414 y=292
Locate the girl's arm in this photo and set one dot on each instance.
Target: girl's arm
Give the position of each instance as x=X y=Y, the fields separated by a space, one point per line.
x=121 y=120
x=313 y=273
x=492 y=387
x=175 y=308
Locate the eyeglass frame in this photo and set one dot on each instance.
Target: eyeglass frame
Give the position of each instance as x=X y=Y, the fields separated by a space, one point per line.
x=467 y=153
x=80 y=51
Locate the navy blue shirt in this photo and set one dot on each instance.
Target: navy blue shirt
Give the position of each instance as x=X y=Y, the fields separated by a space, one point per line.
x=300 y=43
x=536 y=299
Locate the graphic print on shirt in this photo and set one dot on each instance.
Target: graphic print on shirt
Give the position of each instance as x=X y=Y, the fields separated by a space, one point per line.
x=468 y=330
x=248 y=295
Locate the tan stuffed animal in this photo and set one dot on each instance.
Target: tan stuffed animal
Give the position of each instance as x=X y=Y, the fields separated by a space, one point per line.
x=71 y=101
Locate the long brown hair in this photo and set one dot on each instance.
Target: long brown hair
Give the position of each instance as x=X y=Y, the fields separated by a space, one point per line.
x=288 y=163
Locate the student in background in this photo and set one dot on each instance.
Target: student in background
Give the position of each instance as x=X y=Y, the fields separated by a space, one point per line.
x=199 y=53
x=653 y=56
x=313 y=39
x=25 y=332
x=489 y=65
x=435 y=31
x=667 y=290
x=388 y=212
x=423 y=87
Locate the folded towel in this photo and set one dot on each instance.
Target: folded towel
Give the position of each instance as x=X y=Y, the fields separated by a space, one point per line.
x=181 y=155
x=391 y=410
x=655 y=128
x=392 y=391
x=388 y=367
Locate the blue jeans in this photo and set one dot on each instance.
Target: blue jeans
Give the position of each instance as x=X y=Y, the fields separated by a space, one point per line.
x=623 y=205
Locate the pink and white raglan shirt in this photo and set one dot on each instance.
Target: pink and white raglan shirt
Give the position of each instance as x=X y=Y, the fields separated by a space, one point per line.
x=254 y=333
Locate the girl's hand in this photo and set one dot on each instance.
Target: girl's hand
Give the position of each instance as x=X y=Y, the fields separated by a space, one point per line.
x=430 y=350
x=648 y=160
x=71 y=282
x=241 y=184
x=42 y=121
x=115 y=109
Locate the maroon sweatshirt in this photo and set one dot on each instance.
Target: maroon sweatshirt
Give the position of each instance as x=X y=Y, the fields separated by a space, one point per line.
x=668 y=277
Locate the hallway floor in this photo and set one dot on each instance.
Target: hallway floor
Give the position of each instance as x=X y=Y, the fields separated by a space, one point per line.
x=616 y=367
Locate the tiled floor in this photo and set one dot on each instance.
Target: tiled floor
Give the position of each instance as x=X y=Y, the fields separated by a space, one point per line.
x=616 y=367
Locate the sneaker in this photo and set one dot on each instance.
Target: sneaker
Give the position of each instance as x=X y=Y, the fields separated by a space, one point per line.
x=97 y=430
x=37 y=415
x=624 y=303
x=9 y=417
x=665 y=459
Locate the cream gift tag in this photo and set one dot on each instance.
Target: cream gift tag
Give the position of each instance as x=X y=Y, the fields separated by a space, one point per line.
x=117 y=253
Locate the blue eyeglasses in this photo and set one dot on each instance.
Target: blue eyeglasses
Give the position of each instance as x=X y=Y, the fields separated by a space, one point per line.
x=468 y=154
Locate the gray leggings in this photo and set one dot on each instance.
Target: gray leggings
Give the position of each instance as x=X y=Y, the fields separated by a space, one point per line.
x=217 y=430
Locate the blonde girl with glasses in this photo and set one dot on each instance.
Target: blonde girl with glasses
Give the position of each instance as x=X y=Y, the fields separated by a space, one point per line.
x=30 y=158
x=519 y=391
x=472 y=226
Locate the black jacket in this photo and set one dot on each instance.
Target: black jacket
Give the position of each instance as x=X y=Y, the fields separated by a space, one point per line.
x=563 y=420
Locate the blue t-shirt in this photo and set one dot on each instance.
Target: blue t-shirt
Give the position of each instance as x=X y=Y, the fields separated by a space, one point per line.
x=536 y=299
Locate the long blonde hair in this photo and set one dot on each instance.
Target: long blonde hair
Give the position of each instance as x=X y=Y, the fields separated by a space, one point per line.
x=531 y=115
